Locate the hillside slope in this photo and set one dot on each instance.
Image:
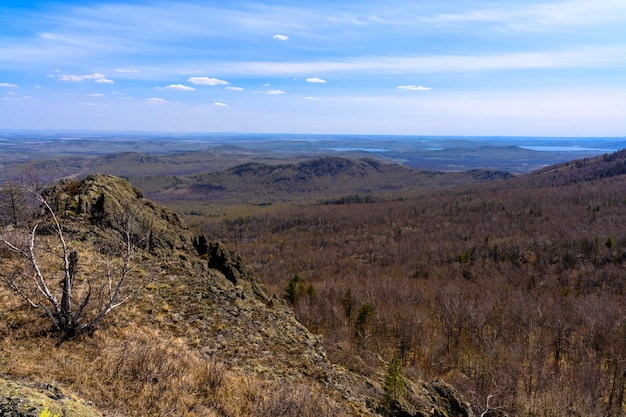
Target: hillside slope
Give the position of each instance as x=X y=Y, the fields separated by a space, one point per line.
x=200 y=335
x=255 y=182
x=513 y=289
x=582 y=170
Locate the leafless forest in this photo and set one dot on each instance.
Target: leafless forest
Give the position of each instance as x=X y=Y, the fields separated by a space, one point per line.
x=514 y=290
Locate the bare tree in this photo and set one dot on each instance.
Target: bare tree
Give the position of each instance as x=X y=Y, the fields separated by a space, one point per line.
x=73 y=306
x=490 y=409
x=13 y=203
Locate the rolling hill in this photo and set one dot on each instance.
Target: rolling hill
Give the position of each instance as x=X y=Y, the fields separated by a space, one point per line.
x=312 y=179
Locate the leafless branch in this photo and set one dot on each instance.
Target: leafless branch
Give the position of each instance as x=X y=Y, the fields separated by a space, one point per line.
x=66 y=315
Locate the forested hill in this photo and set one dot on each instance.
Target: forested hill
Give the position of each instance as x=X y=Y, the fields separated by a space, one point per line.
x=513 y=290
x=310 y=179
x=581 y=170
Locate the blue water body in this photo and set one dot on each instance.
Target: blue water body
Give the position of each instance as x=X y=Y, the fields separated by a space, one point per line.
x=358 y=149
x=547 y=148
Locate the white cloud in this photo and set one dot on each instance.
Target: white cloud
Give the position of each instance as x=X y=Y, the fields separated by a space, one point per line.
x=281 y=37
x=311 y=98
x=88 y=104
x=155 y=100
x=414 y=88
x=95 y=95
x=180 y=87
x=207 y=81
x=122 y=95
x=234 y=88
x=218 y=104
x=126 y=71
x=315 y=80
x=73 y=78
x=7 y=85
x=96 y=77
x=275 y=92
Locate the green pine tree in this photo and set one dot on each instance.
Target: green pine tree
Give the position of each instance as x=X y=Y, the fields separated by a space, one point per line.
x=394 y=387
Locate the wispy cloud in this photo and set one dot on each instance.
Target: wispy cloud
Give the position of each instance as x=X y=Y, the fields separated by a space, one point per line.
x=585 y=57
x=94 y=95
x=96 y=77
x=542 y=16
x=315 y=80
x=180 y=87
x=414 y=88
x=281 y=37
x=235 y=88
x=218 y=104
x=275 y=92
x=8 y=85
x=156 y=100
x=126 y=71
x=207 y=81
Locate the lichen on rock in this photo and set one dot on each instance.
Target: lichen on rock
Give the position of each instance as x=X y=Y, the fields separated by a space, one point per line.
x=20 y=400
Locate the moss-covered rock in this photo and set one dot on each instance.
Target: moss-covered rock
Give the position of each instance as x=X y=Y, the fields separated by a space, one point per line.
x=18 y=400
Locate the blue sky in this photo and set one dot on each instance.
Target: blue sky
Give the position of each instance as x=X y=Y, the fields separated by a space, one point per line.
x=429 y=67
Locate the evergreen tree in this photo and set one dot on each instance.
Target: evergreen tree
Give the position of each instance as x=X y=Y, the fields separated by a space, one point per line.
x=362 y=325
x=394 y=387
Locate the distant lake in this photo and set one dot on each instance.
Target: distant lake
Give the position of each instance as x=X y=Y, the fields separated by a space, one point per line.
x=358 y=149
x=547 y=148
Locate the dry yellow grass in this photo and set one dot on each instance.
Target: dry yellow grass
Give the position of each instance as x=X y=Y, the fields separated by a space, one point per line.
x=132 y=366
x=136 y=371
x=194 y=339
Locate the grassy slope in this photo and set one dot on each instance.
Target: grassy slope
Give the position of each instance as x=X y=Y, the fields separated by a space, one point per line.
x=188 y=343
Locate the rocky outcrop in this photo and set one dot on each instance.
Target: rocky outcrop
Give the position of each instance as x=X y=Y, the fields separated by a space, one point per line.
x=19 y=400
x=446 y=400
x=112 y=204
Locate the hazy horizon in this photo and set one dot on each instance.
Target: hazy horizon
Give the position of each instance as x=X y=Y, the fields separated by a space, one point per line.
x=156 y=133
